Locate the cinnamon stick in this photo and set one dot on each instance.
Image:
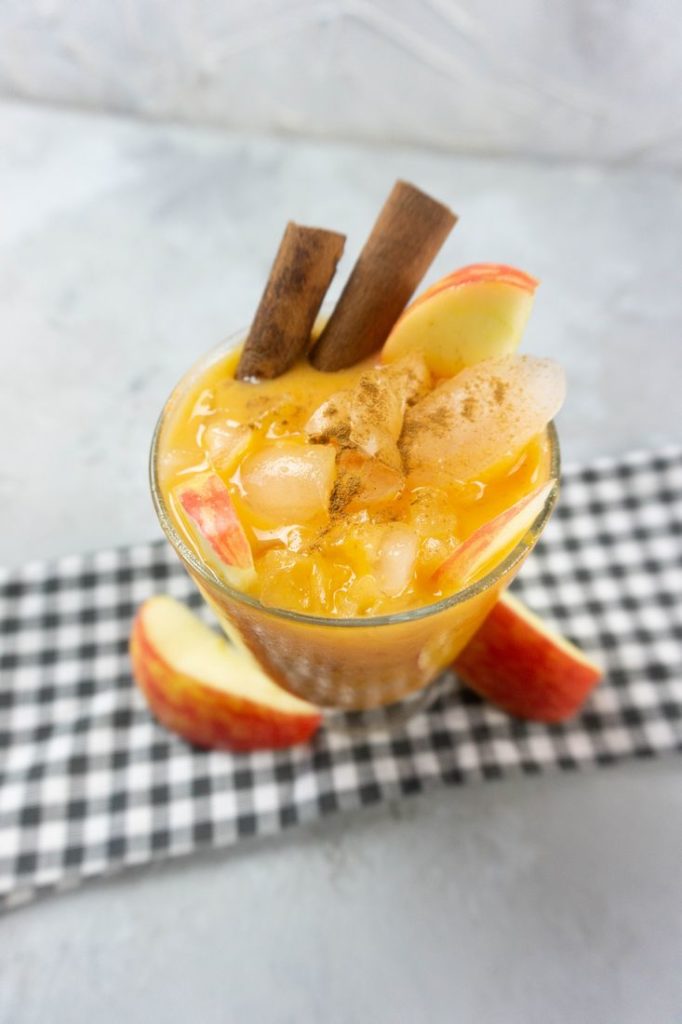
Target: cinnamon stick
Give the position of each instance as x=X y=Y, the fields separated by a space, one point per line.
x=408 y=233
x=304 y=266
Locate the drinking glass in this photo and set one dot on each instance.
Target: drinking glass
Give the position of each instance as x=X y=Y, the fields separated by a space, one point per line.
x=353 y=664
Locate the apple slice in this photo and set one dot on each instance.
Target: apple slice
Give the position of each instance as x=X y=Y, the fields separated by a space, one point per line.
x=516 y=662
x=204 y=689
x=478 y=312
x=215 y=525
x=491 y=540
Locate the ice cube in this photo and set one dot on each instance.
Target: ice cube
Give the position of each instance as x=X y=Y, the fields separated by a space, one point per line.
x=331 y=420
x=376 y=418
x=480 y=418
x=369 y=416
x=359 y=418
x=430 y=512
x=378 y=404
x=288 y=482
x=396 y=560
x=364 y=483
x=375 y=402
x=410 y=378
x=431 y=516
x=225 y=442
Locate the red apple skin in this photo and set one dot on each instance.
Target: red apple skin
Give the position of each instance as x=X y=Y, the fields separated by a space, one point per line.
x=208 y=717
x=489 y=540
x=475 y=272
x=208 y=506
x=474 y=313
x=524 y=668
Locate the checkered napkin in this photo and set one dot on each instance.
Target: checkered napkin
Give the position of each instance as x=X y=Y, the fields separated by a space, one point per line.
x=89 y=783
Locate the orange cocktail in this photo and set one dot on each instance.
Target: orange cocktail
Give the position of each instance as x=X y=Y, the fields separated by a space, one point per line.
x=346 y=602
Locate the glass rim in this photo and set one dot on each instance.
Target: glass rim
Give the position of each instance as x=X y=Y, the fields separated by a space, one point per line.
x=187 y=555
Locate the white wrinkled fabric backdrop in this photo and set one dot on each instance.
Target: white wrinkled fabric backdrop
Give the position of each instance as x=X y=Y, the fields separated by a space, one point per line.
x=585 y=79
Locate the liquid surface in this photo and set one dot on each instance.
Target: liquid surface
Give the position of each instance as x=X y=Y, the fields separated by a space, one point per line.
x=318 y=469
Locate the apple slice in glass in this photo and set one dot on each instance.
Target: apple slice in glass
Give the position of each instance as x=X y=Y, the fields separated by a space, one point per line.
x=491 y=541
x=215 y=525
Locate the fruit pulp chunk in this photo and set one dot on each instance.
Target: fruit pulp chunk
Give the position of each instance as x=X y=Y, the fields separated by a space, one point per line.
x=352 y=488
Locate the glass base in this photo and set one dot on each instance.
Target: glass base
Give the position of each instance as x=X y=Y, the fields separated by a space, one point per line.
x=391 y=717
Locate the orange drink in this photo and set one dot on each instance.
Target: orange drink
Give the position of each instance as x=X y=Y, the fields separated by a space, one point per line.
x=343 y=598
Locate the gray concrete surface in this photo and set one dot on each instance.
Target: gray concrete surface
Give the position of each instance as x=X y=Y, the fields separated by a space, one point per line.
x=127 y=249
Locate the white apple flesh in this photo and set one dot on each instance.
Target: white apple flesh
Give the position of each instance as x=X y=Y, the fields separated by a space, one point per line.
x=201 y=687
x=492 y=541
x=478 y=312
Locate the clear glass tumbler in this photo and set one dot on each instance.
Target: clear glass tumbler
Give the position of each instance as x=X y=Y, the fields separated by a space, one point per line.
x=346 y=664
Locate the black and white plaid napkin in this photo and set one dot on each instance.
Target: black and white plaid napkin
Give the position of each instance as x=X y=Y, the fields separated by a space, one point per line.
x=90 y=783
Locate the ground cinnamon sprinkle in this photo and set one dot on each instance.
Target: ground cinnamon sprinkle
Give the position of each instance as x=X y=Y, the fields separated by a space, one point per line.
x=316 y=545
x=345 y=489
x=469 y=409
x=413 y=379
x=437 y=422
x=369 y=387
x=500 y=389
x=373 y=398
x=339 y=433
x=404 y=442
